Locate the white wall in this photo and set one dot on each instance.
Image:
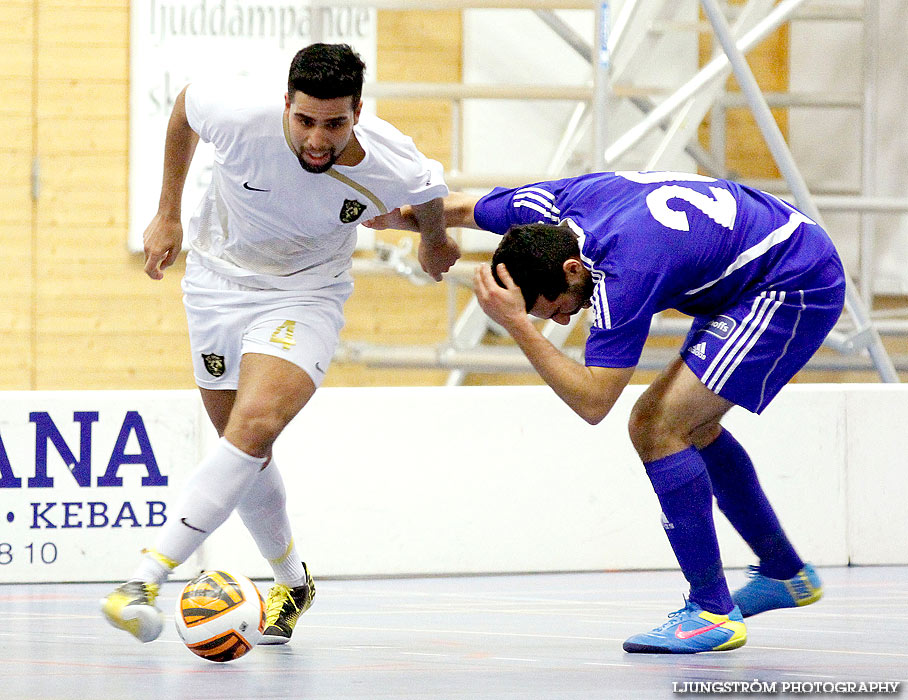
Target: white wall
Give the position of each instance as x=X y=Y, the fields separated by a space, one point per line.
x=441 y=480
x=877 y=475
x=498 y=479
x=486 y=479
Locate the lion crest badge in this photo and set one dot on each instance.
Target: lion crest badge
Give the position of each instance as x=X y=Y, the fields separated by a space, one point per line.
x=214 y=364
x=351 y=211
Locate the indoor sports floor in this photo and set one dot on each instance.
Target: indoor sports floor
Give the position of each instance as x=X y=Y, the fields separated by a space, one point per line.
x=516 y=637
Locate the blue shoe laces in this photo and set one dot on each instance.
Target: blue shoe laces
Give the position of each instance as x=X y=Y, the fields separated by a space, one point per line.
x=688 y=607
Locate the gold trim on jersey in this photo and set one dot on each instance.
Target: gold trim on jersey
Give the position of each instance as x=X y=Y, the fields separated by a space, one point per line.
x=382 y=209
x=285 y=122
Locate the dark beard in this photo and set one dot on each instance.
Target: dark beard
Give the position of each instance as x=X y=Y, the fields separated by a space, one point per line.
x=316 y=169
x=584 y=290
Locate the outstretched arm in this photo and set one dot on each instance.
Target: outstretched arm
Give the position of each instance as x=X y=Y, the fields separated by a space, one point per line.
x=164 y=235
x=437 y=250
x=589 y=391
x=457 y=211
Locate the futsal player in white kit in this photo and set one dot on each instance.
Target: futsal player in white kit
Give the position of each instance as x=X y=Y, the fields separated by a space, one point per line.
x=267 y=275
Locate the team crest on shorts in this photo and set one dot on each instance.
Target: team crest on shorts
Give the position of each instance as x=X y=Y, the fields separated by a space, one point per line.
x=351 y=211
x=721 y=326
x=214 y=364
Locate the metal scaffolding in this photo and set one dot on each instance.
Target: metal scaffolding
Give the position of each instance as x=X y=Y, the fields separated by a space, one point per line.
x=618 y=41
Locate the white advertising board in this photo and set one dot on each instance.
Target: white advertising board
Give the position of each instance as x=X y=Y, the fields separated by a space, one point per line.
x=173 y=42
x=453 y=480
x=86 y=479
x=434 y=480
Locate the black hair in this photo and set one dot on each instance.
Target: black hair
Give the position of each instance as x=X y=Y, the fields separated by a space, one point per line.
x=327 y=71
x=534 y=255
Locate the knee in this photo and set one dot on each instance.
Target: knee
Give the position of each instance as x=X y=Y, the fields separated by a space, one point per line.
x=643 y=428
x=253 y=428
x=655 y=431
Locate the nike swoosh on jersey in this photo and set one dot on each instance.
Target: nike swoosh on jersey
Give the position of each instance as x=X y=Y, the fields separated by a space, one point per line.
x=247 y=186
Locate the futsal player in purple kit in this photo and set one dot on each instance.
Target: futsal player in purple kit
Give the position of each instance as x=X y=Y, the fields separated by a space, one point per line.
x=764 y=285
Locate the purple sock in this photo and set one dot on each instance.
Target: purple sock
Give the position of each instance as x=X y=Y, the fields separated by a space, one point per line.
x=742 y=500
x=682 y=485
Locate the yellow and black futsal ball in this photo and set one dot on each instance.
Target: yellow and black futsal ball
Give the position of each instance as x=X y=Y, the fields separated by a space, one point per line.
x=220 y=616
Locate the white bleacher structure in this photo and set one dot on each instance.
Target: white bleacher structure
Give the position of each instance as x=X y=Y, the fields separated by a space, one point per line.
x=622 y=43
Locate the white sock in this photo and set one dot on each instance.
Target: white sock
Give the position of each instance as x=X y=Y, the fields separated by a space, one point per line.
x=153 y=568
x=263 y=509
x=208 y=498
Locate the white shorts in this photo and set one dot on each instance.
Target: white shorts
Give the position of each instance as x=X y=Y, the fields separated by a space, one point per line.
x=228 y=320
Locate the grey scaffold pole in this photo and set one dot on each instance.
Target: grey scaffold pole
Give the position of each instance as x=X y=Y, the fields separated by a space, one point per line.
x=866 y=335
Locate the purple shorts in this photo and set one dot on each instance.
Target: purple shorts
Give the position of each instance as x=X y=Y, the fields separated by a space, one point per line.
x=747 y=353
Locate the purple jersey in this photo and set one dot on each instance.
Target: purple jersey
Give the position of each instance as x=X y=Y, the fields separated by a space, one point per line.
x=664 y=240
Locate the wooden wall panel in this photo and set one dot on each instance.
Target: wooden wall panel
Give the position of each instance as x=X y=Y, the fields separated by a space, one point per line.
x=17 y=135
x=16 y=207
x=95 y=99
x=16 y=22
x=427 y=122
x=88 y=207
x=16 y=367
x=16 y=55
x=74 y=62
x=421 y=47
x=92 y=135
x=15 y=188
x=92 y=359
x=91 y=25
x=100 y=322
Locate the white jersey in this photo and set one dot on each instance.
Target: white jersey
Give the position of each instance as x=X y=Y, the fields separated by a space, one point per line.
x=267 y=222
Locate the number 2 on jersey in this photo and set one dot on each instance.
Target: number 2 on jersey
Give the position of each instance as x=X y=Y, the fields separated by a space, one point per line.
x=720 y=207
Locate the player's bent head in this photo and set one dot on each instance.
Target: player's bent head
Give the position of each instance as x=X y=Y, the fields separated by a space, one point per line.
x=534 y=255
x=327 y=71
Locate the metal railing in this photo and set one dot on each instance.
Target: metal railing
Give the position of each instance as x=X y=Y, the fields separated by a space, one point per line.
x=856 y=335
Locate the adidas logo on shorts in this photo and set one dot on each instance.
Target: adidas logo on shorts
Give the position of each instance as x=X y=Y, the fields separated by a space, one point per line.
x=699 y=350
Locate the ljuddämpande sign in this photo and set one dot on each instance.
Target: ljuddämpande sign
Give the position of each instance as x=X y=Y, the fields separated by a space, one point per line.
x=246 y=43
x=86 y=479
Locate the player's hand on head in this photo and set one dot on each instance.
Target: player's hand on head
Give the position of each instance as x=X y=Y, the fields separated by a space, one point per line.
x=504 y=305
x=163 y=240
x=438 y=256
